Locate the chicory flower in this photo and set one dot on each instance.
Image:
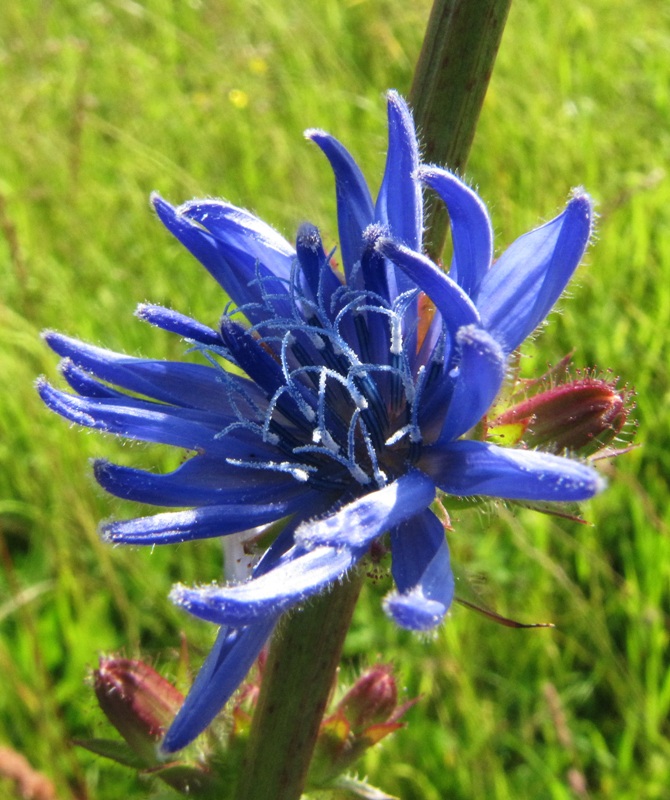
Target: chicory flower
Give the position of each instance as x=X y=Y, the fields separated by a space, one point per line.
x=355 y=405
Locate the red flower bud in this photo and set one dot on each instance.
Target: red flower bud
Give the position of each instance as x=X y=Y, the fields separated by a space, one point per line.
x=366 y=714
x=371 y=700
x=138 y=701
x=581 y=416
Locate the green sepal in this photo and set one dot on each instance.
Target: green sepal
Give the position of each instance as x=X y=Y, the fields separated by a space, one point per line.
x=114 y=749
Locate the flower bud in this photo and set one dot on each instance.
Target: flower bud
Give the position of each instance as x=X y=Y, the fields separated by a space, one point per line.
x=138 y=701
x=367 y=713
x=371 y=700
x=581 y=416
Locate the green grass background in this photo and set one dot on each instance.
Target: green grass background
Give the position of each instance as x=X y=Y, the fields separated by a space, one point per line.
x=103 y=102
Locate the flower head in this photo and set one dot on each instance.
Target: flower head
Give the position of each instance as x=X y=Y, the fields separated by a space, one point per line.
x=353 y=408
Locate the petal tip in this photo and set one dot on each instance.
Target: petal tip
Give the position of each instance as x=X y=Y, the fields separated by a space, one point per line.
x=313 y=134
x=599 y=484
x=48 y=335
x=581 y=206
x=158 y=202
x=396 y=101
x=414 y=611
x=180 y=595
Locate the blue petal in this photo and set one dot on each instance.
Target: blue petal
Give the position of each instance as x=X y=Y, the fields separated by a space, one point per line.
x=231 y=657
x=400 y=203
x=372 y=263
x=481 y=370
x=224 y=669
x=522 y=286
x=422 y=573
x=250 y=260
x=471 y=231
x=374 y=335
x=354 y=204
x=318 y=282
x=450 y=300
x=83 y=383
x=414 y=610
x=178 y=382
x=132 y=418
x=155 y=422
x=311 y=256
x=200 y=481
x=474 y=468
x=198 y=523
x=177 y=323
x=298 y=574
x=250 y=355
x=357 y=524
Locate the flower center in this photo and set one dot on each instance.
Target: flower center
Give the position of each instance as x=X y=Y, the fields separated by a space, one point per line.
x=338 y=367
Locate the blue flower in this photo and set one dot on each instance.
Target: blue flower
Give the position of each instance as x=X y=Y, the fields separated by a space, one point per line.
x=348 y=407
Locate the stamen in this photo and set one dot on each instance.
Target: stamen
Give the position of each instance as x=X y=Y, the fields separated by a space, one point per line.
x=356 y=471
x=290 y=385
x=380 y=475
x=262 y=280
x=272 y=438
x=377 y=419
x=436 y=363
x=358 y=475
x=352 y=466
x=398 y=435
x=299 y=471
x=269 y=414
x=415 y=430
x=235 y=389
x=295 y=293
x=321 y=434
x=361 y=300
x=396 y=335
x=359 y=399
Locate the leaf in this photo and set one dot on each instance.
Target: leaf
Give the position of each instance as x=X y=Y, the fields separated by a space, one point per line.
x=114 y=749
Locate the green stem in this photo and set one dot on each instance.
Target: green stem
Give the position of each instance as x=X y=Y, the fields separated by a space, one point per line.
x=450 y=82
x=297 y=681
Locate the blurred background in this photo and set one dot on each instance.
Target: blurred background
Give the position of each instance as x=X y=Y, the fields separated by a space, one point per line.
x=103 y=102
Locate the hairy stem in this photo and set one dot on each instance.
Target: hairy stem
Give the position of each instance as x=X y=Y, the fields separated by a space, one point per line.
x=297 y=682
x=450 y=82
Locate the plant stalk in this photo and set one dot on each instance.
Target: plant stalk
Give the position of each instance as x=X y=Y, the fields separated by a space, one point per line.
x=447 y=94
x=297 y=681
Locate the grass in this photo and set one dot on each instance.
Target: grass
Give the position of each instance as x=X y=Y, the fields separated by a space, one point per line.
x=104 y=102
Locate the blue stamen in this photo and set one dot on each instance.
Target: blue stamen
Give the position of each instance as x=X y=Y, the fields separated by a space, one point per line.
x=300 y=472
